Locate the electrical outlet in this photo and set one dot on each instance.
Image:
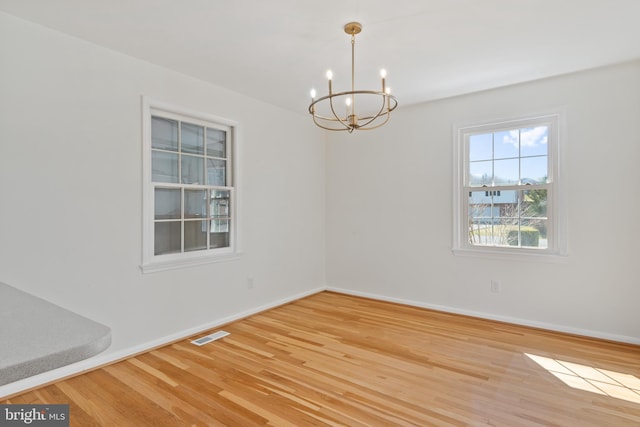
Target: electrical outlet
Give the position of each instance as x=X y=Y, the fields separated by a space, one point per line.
x=495 y=287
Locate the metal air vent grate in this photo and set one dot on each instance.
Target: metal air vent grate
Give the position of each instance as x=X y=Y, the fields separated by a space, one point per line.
x=208 y=338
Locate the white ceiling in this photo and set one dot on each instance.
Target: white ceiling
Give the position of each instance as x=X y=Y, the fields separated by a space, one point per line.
x=276 y=50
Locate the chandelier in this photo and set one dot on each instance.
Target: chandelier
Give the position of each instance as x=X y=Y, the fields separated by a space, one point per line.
x=337 y=111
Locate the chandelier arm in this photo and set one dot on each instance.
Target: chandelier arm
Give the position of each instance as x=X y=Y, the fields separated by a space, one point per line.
x=386 y=119
x=335 y=118
x=380 y=113
x=326 y=119
x=387 y=114
x=376 y=126
x=320 y=125
x=345 y=124
x=332 y=120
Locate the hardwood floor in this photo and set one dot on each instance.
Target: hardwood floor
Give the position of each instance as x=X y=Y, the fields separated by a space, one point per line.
x=332 y=359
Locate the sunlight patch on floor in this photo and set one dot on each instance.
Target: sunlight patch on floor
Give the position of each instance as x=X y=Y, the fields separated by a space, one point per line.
x=595 y=380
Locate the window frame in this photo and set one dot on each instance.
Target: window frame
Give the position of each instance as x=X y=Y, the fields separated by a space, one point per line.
x=556 y=204
x=150 y=261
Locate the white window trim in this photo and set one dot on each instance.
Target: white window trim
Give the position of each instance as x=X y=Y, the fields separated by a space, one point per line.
x=558 y=251
x=150 y=262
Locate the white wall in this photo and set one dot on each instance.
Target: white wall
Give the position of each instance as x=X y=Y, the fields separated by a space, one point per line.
x=389 y=210
x=70 y=190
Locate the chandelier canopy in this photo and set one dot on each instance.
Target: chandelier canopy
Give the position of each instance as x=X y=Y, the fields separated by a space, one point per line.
x=337 y=111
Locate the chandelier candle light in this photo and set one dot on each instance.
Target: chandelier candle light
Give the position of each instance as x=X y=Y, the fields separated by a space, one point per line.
x=376 y=106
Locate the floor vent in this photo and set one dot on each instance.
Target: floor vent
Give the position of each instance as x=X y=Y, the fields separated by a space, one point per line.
x=208 y=338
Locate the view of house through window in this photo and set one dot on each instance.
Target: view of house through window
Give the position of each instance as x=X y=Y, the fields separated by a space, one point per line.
x=514 y=165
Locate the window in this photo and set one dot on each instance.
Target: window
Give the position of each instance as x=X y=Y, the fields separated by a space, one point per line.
x=190 y=200
x=507 y=176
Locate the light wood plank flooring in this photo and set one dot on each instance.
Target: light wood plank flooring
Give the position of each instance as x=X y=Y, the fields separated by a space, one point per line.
x=338 y=360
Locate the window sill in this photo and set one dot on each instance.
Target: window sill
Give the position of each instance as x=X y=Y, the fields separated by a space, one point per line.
x=174 y=264
x=512 y=254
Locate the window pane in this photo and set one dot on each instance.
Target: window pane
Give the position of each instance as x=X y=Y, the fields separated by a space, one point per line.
x=167 y=203
x=534 y=204
x=524 y=236
x=219 y=240
x=192 y=139
x=506 y=144
x=506 y=232
x=507 y=202
x=534 y=233
x=217 y=172
x=164 y=167
x=220 y=226
x=480 y=204
x=164 y=134
x=491 y=214
x=479 y=232
x=534 y=214
x=481 y=216
x=195 y=204
x=192 y=170
x=506 y=172
x=534 y=170
x=167 y=237
x=195 y=235
x=533 y=141
x=480 y=173
x=481 y=147
x=216 y=143
x=220 y=204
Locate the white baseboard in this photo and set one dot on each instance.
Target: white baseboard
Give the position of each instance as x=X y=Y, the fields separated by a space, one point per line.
x=108 y=358
x=111 y=357
x=489 y=316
